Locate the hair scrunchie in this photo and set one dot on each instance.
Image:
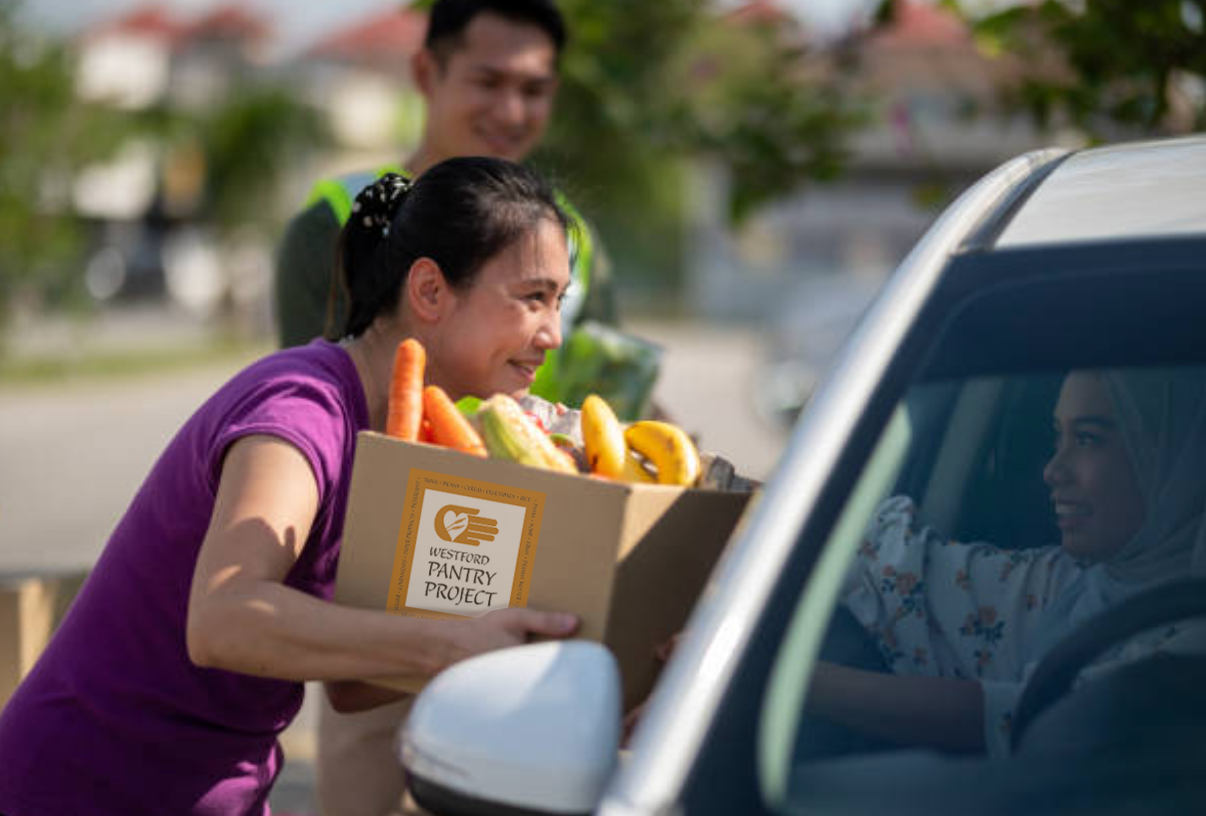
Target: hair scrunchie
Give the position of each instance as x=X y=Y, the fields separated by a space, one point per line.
x=377 y=204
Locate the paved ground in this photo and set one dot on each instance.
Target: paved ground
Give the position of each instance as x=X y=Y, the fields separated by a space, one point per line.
x=74 y=454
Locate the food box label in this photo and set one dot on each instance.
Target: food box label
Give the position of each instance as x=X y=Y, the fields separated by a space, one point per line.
x=465 y=547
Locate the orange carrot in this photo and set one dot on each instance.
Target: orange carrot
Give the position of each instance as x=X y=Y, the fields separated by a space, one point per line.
x=449 y=427
x=425 y=432
x=406 y=391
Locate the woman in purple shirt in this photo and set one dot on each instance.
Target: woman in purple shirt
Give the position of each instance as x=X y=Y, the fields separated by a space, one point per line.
x=184 y=656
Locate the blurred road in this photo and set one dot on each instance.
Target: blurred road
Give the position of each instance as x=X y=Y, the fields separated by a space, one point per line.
x=74 y=454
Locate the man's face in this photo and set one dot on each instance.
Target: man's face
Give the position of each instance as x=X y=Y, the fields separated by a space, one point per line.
x=493 y=93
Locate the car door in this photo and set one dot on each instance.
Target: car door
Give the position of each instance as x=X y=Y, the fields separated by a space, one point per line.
x=961 y=422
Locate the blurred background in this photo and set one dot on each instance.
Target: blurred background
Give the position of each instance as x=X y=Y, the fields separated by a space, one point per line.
x=757 y=165
x=755 y=170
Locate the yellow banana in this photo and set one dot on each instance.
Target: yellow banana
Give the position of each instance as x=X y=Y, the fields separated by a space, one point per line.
x=603 y=438
x=635 y=471
x=668 y=448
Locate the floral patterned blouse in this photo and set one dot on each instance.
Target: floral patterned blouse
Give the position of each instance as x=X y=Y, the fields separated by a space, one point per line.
x=942 y=608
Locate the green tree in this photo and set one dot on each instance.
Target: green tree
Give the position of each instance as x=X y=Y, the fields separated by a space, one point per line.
x=1101 y=64
x=46 y=136
x=649 y=88
x=243 y=146
x=250 y=143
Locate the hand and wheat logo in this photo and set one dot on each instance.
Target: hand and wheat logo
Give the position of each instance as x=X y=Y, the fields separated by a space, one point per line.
x=462 y=525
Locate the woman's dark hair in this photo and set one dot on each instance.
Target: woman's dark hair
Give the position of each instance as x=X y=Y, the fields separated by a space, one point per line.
x=460 y=213
x=449 y=18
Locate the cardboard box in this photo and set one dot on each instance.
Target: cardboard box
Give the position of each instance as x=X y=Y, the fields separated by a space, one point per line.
x=438 y=534
x=31 y=607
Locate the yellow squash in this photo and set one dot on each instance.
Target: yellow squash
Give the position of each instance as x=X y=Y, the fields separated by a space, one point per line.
x=510 y=435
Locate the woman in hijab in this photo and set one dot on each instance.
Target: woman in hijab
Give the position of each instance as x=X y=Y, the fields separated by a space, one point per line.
x=961 y=626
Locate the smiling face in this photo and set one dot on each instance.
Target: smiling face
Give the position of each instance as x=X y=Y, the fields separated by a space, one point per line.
x=494 y=333
x=492 y=94
x=1098 y=504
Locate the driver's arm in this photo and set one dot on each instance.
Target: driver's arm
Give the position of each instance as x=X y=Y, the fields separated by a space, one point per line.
x=938 y=712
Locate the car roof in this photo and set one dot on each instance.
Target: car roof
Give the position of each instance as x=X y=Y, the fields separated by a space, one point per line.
x=1127 y=191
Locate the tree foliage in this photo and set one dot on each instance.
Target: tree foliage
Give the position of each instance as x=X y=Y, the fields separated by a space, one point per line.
x=243 y=146
x=46 y=136
x=678 y=78
x=250 y=143
x=1138 y=65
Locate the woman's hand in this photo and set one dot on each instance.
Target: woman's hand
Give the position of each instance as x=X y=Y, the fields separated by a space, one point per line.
x=662 y=652
x=509 y=627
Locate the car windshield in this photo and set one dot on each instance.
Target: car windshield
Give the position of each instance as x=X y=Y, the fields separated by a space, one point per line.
x=997 y=518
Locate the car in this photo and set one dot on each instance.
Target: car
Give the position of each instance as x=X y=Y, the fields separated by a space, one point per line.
x=1058 y=261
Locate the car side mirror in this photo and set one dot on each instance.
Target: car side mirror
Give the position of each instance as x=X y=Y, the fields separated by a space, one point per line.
x=533 y=729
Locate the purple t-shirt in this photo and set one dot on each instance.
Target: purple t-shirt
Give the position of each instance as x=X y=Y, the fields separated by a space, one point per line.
x=115 y=718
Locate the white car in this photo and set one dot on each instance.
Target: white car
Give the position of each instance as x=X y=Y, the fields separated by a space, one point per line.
x=946 y=393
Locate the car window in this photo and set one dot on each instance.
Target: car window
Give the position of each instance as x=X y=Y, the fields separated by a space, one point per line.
x=996 y=517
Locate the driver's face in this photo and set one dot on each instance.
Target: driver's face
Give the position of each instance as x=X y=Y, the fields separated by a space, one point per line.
x=1098 y=504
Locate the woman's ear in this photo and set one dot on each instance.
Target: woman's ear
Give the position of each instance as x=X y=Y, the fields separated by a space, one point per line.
x=427 y=291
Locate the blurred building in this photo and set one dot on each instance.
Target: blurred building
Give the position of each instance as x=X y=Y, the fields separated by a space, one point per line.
x=807 y=266
x=143 y=57
x=144 y=200
x=149 y=58
x=936 y=127
x=152 y=239
x=360 y=76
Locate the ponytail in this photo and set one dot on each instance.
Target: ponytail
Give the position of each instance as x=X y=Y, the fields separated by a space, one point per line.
x=365 y=236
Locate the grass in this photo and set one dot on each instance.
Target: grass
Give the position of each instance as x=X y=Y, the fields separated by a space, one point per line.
x=122 y=363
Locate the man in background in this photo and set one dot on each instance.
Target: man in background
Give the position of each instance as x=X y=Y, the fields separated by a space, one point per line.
x=488 y=75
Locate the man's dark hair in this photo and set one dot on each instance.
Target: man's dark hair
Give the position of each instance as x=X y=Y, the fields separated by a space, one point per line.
x=449 y=18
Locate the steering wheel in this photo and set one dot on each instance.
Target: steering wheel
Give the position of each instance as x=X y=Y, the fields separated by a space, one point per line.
x=1053 y=677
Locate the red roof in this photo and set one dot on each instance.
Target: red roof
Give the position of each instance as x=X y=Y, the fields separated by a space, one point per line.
x=229 y=21
x=916 y=23
x=758 y=11
x=150 y=20
x=390 y=36
x=156 y=21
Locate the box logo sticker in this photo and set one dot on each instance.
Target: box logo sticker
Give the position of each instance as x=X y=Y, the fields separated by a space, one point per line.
x=466 y=547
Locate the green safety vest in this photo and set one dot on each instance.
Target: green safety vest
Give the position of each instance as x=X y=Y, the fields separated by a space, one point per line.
x=339 y=194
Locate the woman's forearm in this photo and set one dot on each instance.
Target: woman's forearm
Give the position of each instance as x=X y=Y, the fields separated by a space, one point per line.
x=348 y=696
x=938 y=712
x=263 y=628
x=267 y=629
